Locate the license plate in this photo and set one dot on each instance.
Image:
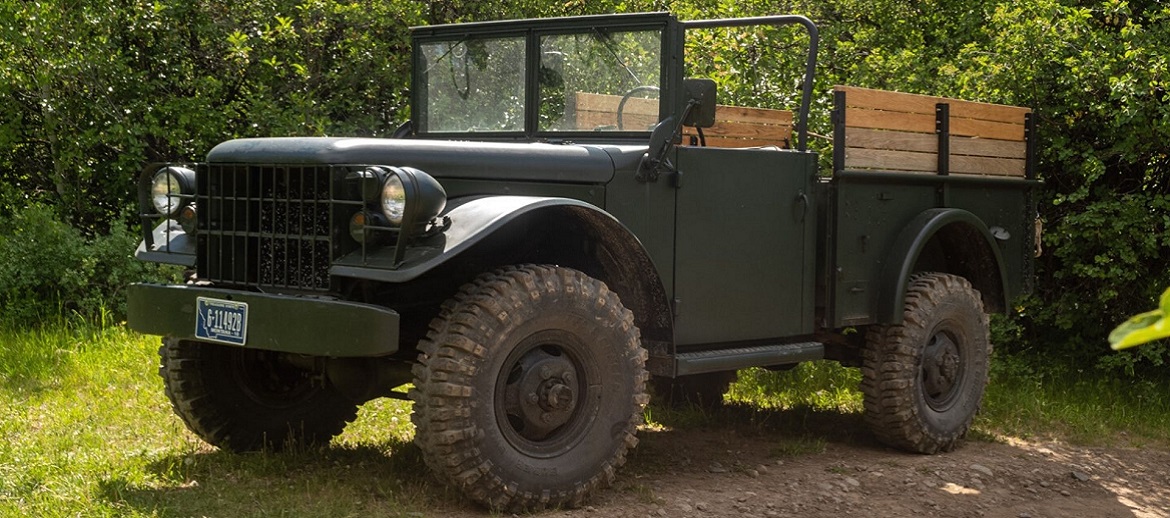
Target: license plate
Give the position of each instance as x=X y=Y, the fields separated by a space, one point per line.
x=223 y=321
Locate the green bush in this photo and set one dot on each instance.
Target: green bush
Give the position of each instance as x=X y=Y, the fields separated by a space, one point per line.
x=48 y=269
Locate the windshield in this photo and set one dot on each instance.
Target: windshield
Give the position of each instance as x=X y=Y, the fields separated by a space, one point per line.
x=600 y=81
x=474 y=84
x=588 y=80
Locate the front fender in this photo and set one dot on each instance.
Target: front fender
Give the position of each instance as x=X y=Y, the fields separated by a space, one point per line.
x=559 y=231
x=473 y=220
x=979 y=259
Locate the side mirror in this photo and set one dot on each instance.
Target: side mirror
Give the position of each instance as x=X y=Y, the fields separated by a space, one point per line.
x=703 y=91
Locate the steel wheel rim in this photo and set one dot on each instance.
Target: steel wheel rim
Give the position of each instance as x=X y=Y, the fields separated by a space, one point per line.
x=943 y=370
x=546 y=394
x=268 y=382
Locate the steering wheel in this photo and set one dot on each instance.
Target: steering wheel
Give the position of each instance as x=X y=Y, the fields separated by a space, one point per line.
x=626 y=97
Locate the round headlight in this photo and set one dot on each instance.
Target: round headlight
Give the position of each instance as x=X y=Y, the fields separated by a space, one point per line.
x=393 y=199
x=167 y=187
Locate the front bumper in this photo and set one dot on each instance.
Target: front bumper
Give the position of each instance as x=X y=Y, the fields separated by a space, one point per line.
x=298 y=325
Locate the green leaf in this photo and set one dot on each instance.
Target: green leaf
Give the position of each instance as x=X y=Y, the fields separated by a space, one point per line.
x=1140 y=329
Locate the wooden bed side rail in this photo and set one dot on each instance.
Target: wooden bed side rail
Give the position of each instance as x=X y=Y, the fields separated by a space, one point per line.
x=735 y=126
x=893 y=131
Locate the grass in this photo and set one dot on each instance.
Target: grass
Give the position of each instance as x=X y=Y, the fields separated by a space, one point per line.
x=1082 y=406
x=87 y=431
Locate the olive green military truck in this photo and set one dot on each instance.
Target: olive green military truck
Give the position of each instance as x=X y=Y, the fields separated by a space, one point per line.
x=567 y=222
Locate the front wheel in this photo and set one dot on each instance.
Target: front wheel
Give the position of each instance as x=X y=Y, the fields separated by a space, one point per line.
x=923 y=380
x=529 y=388
x=246 y=399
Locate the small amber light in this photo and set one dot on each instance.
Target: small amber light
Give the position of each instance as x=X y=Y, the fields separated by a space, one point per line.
x=187 y=219
x=357 y=227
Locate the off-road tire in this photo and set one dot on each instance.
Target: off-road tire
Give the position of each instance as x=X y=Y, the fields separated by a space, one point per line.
x=246 y=400
x=480 y=427
x=703 y=391
x=923 y=379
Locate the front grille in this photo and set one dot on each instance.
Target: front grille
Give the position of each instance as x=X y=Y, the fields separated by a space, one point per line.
x=265 y=226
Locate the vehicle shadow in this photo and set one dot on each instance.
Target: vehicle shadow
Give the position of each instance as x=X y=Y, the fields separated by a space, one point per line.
x=388 y=479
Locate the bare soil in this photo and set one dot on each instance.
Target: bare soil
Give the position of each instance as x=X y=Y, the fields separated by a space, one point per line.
x=832 y=468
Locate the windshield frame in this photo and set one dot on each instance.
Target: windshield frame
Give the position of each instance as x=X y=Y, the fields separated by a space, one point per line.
x=670 y=77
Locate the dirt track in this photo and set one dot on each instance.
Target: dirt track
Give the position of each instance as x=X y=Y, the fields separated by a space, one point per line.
x=714 y=472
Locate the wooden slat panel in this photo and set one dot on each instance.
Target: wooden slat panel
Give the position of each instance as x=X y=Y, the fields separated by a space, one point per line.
x=987 y=166
x=925 y=104
x=987 y=147
x=735 y=126
x=894 y=140
x=860 y=158
x=859 y=118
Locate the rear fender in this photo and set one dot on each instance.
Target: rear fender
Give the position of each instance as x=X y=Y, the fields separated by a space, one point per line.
x=969 y=249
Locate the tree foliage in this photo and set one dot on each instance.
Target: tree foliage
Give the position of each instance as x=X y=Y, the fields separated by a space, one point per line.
x=94 y=89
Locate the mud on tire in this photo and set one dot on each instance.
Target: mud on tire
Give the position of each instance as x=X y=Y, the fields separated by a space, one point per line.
x=246 y=400
x=923 y=380
x=529 y=388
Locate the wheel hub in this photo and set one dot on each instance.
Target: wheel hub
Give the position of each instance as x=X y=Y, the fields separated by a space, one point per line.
x=941 y=369
x=541 y=394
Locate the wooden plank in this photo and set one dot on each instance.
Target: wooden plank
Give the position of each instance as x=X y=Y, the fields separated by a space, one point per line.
x=887 y=101
x=585 y=101
x=987 y=112
x=988 y=147
x=741 y=130
x=888 y=160
x=894 y=140
x=856 y=97
x=757 y=115
x=875 y=119
x=987 y=166
x=987 y=129
x=590 y=121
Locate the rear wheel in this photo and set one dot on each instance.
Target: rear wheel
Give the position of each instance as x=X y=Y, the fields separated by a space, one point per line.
x=246 y=399
x=923 y=380
x=529 y=388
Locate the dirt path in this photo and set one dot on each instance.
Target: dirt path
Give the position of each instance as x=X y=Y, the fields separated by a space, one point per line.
x=717 y=472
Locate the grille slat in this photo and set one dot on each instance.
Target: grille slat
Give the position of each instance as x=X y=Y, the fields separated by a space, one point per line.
x=265 y=226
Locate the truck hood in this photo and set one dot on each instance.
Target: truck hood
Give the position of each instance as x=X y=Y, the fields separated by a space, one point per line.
x=439 y=158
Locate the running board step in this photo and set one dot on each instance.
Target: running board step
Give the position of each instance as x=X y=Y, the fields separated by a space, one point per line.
x=744 y=357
